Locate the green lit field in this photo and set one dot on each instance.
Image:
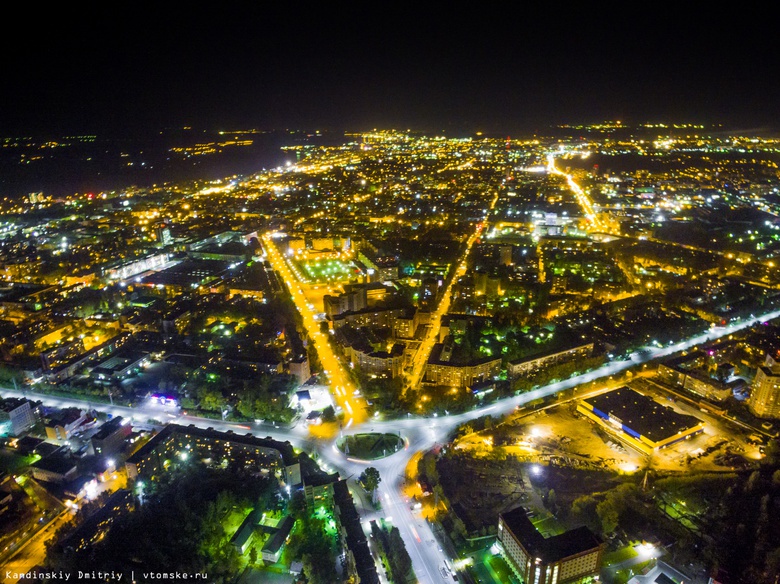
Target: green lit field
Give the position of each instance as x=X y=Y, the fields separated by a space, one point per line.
x=12 y=462
x=490 y=569
x=548 y=526
x=621 y=555
x=322 y=271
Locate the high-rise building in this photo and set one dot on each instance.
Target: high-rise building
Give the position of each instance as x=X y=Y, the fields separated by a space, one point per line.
x=16 y=415
x=505 y=254
x=569 y=557
x=163 y=234
x=764 y=400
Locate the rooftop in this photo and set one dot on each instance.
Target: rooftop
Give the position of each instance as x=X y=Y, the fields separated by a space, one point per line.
x=551 y=549
x=642 y=414
x=284 y=448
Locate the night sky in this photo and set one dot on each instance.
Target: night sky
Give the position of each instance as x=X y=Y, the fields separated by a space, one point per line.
x=480 y=66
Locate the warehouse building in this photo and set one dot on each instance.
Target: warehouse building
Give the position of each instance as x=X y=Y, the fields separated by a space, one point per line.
x=639 y=420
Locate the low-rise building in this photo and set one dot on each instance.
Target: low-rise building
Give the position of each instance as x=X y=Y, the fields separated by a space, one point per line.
x=440 y=370
x=121 y=365
x=58 y=467
x=62 y=424
x=245 y=531
x=110 y=437
x=530 y=365
x=639 y=420
x=272 y=549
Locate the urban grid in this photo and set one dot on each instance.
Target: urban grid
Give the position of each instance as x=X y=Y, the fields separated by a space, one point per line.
x=400 y=357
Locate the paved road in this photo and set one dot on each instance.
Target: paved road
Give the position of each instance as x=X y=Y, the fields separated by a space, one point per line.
x=421 y=434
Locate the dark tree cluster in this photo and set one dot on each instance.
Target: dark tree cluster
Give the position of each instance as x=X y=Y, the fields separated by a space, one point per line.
x=313 y=544
x=394 y=551
x=178 y=527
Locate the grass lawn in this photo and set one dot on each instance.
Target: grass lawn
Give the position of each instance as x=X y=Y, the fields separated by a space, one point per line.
x=620 y=555
x=11 y=461
x=481 y=573
x=371 y=446
x=233 y=520
x=328 y=270
x=500 y=568
x=548 y=526
x=490 y=569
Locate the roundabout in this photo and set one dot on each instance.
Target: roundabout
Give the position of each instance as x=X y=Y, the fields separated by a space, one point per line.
x=370 y=445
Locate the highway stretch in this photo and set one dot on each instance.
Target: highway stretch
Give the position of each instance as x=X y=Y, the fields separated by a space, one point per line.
x=420 y=434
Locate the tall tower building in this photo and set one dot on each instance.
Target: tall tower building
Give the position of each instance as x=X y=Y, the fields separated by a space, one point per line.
x=163 y=233
x=764 y=400
x=505 y=252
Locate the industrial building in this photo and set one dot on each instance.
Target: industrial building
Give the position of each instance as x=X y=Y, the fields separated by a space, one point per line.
x=638 y=420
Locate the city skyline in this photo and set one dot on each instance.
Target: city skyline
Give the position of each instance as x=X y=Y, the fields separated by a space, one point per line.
x=388 y=293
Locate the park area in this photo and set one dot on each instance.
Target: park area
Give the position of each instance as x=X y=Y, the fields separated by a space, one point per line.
x=370 y=446
x=327 y=271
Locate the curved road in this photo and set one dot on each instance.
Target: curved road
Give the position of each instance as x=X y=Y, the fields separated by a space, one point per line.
x=420 y=434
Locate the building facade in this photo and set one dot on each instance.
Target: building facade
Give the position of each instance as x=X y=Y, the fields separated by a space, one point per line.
x=572 y=556
x=17 y=415
x=528 y=366
x=110 y=438
x=440 y=370
x=764 y=400
x=180 y=442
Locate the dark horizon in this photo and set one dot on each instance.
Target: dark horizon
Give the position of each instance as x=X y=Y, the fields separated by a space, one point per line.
x=496 y=70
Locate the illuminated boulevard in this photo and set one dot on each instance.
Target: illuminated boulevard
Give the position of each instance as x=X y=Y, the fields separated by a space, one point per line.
x=432 y=333
x=583 y=200
x=342 y=388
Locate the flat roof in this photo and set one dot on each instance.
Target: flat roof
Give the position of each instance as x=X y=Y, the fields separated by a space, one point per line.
x=285 y=449
x=20 y=291
x=642 y=414
x=550 y=549
x=188 y=272
x=109 y=428
x=120 y=361
x=438 y=348
x=58 y=463
x=9 y=404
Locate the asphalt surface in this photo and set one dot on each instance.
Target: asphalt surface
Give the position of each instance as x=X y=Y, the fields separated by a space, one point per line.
x=420 y=434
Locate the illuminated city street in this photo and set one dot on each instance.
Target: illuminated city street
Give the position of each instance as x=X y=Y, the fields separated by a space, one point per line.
x=421 y=434
x=327 y=295
x=342 y=388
